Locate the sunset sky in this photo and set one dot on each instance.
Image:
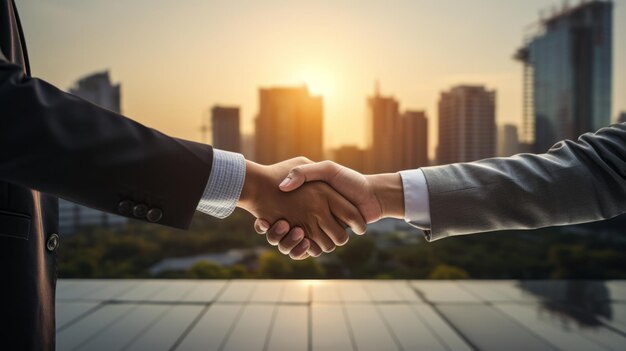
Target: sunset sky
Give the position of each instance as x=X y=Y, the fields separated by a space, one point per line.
x=175 y=59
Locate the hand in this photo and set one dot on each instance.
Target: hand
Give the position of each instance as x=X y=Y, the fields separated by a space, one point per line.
x=316 y=208
x=376 y=196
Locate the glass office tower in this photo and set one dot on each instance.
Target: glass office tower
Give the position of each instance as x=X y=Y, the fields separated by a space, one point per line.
x=567 y=74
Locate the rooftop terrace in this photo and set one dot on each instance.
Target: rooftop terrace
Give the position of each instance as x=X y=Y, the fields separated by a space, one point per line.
x=340 y=315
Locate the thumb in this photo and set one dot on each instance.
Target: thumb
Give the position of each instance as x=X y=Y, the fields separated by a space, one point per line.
x=307 y=173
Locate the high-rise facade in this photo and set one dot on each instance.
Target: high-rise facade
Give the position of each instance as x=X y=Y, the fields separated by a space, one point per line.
x=508 y=140
x=467 y=124
x=96 y=88
x=384 y=134
x=289 y=124
x=414 y=126
x=350 y=156
x=225 y=128
x=567 y=74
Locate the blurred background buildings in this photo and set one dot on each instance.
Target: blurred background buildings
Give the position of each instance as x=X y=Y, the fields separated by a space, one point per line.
x=567 y=79
x=289 y=124
x=98 y=89
x=467 y=124
x=568 y=73
x=226 y=131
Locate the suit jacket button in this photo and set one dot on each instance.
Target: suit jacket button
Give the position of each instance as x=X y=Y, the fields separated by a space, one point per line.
x=140 y=210
x=125 y=207
x=53 y=242
x=155 y=215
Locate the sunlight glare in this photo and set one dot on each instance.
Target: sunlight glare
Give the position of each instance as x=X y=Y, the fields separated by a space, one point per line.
x=311 y=282
x=319 y=81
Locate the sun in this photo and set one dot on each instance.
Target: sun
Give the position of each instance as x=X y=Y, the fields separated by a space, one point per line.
x=318 y=80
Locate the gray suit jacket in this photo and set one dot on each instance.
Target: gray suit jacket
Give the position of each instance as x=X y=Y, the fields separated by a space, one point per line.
x=574 y=182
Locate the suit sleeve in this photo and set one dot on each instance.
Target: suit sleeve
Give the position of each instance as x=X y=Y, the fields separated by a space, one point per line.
x=59 y=144
x=574 y=182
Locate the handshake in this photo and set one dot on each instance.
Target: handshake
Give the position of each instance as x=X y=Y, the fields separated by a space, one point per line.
x=307 y=219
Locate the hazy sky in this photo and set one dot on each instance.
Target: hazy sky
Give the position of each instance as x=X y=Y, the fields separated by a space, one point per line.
x=177 y=58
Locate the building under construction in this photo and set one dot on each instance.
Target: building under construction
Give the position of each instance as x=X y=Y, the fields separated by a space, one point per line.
x=567 y=58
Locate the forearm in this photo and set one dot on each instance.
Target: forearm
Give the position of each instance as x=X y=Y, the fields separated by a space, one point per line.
x=575 y=182
x=65 y=146
x=389 y=193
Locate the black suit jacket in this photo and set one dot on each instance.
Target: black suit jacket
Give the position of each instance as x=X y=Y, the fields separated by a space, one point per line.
x=53 y=144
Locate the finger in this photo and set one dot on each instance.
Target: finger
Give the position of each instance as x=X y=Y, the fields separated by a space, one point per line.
x=289 y=241
x=300 y=250
x=335 y=231
x=303 y=257
x=276 y=233
x=314 y=249
x=347 y=214
x=319 y=236
x=299 y=175
x=261 y=226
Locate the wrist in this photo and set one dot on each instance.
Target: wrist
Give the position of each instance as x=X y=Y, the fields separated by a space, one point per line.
x=389 y=193
x=250 y=189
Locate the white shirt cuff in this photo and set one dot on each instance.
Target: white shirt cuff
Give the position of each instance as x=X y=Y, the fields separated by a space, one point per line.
x=416 y=202
x=223 y=188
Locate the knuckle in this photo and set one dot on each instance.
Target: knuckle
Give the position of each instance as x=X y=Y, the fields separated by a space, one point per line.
x=330 y=164
x=303 y=159
x=327 y=163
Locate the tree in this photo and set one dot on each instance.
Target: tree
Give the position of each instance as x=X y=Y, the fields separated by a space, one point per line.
x=238 y=271
x=207 y=270
x=309 y=268
x=444 y=271
x=357 y=255
x=273 y=264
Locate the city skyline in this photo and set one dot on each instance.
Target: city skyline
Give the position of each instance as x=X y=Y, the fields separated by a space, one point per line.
x=339 y=50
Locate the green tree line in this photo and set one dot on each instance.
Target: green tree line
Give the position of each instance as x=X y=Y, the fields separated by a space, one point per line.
x=540 y=254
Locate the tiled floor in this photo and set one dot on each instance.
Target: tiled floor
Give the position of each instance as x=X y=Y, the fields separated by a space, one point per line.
x=340 y=315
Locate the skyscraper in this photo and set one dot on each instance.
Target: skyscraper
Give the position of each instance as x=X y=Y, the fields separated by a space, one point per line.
x=350 y=156
x=247 y=146
x=414 y=152
x=289 y=124
x=508 y=140
x=384 y=134
x=225 y=126
x=467 y=124
x=567 y=74
x=96 y=88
